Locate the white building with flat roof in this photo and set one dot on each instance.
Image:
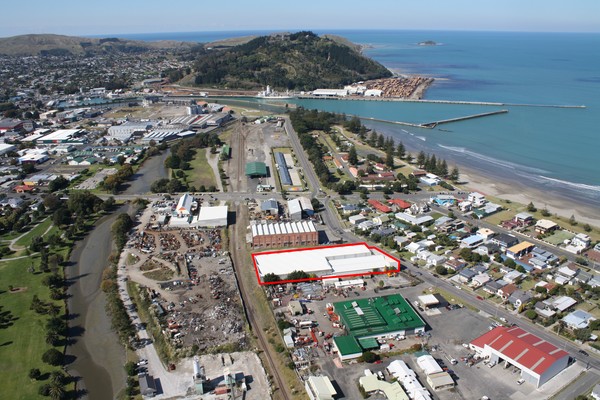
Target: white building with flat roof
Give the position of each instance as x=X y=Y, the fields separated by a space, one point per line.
x=212 y=217
x=324 y=261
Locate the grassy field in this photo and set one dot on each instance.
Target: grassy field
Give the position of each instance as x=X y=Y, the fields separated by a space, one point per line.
x=200 y=172
x=39 y=230
x=498 y=217
x=23 y=343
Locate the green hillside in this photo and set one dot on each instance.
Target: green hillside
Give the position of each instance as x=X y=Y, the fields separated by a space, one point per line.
x=299 y=61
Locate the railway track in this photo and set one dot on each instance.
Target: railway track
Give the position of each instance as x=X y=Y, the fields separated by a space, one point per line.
x=238 y=253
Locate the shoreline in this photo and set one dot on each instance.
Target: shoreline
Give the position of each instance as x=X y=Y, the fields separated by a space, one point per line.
x=519 y=193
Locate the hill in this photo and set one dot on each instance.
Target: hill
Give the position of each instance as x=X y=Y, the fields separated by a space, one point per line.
x=47 y=44
x=299 y=61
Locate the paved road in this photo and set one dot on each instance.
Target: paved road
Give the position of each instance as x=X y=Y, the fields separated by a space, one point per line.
x=579 y=386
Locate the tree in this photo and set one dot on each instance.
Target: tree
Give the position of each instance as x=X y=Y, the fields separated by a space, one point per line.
x=297 y=275
x=421 y=159
x=531 y=314
x=369 y=357
x=389 y=158
x=531 y=207
x=271 y=277
x=440 y=269
x=53 y=357
x=130 y=368
x=380 y=141
x=572 y=220
x=58 y=377
x=58 y=184
x=52 y=338
x=400 y=150
x=587 y=228
x=34 y=374
x=56 y=391
x=352 y=156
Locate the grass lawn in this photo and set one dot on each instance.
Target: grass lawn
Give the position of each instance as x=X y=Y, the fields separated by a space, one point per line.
x=200 y=172
x=498 y=217
x=163 y=274
x=559 y=237
x=23 y=343
x=36 y=231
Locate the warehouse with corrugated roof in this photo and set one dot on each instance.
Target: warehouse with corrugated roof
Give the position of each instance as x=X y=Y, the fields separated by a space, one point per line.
x=537 y=359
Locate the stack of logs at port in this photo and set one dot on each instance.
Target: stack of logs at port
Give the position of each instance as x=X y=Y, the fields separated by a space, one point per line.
x=398 y=87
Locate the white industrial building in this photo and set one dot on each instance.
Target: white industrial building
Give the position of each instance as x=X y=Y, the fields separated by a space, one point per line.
x=330 y=92
x=331 y=260
x=408 y=378
x=299 y=208
x=437 y=378
x=537 y=359
x=6 y=148
x=212 y=217
x=60 y=136
x=319 y=388
x=125 y=131
x=184 y=206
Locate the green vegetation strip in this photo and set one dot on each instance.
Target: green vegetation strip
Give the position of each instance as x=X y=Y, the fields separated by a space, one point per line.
x=144 y=307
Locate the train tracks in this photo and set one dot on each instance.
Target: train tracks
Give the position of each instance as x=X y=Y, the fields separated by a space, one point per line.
x=238 y=252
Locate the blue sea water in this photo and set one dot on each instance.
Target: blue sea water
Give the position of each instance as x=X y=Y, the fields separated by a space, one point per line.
x=551 y=149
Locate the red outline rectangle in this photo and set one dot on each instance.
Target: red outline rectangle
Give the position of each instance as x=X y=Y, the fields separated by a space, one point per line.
x=321 y=278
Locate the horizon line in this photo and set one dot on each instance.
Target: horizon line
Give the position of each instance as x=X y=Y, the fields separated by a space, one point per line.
x=293 y=30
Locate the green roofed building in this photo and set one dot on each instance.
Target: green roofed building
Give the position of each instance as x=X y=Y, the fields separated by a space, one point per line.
x=256 y=169
x=373 y=318
x=347 y=347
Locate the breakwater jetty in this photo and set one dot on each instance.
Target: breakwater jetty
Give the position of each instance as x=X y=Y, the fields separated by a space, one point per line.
x=465 y=102
x=431 y=125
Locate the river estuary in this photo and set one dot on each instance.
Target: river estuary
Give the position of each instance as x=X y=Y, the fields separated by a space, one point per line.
x=98 y=355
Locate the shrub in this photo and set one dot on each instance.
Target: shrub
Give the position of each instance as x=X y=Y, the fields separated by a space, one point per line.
x=53 y=357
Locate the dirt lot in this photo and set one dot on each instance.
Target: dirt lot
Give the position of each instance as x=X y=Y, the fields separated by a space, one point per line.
x=252 y=142
x=201 y=304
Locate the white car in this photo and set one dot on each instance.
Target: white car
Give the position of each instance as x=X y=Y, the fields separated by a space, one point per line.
x=143 y=361
x=520 y=381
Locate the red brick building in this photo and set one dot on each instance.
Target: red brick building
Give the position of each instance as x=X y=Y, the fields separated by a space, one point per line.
x=284 y=234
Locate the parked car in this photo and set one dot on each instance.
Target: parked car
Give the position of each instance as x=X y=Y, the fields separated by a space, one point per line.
x=143 y=361
x=520 y=381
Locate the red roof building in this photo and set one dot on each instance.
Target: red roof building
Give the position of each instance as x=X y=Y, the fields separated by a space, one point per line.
x=537 y=359
x=400 y=203
x=379 y=206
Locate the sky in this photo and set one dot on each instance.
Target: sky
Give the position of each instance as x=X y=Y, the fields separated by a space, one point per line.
x=72 y=17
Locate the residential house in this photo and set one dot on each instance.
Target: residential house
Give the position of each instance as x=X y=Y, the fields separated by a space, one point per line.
x=595 y=281
x=430 y=258
x=486 y=233
x=487 y=209
x=476 y=199
x=381 y=219
x=356 y=219
x=504 y=240
x=519 y=298
x=455 y=265
x=506 y=291
x=544 y=255
x=561 y=303
x=480 y=280
x=383 y=232
x=513 y=277
x=523 y=219
x=542 y=309
x=466 y=275
x=350 y=208
x=399 y=204
x=465 y=206
x=492 y=287
x=472 y=241
x=415 y=247
x=544 y=226
x=401 y=241
x=579 y=243
x=366 y=225
x=578 y=319
x=569 y=271
x=583 y=276
x=519 y=250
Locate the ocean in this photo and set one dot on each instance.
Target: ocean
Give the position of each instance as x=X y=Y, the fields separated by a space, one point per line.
x=552 y=149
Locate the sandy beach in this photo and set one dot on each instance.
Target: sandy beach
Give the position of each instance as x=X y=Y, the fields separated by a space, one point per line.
x=518 y=193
